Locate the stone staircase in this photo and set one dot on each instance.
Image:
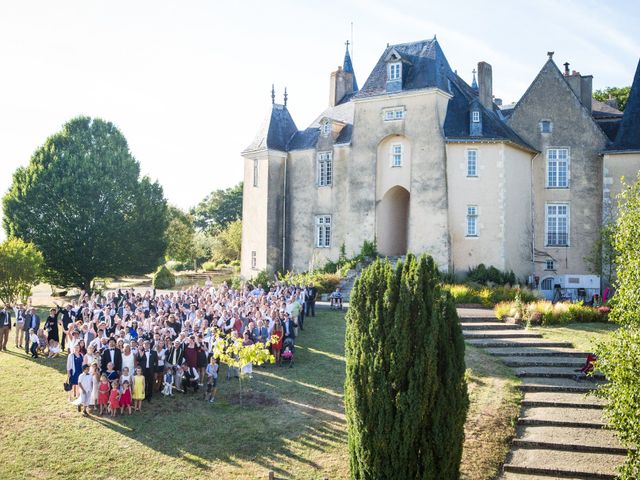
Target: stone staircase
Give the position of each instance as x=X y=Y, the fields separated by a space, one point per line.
x=560 y=432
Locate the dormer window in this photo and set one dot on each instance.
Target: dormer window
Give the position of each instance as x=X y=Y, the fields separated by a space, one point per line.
x=395 y=71
x=546 y=126
x=325 y=128
x=475 y=116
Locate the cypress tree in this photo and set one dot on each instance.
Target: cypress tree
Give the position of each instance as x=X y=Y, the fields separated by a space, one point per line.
x=405 y=393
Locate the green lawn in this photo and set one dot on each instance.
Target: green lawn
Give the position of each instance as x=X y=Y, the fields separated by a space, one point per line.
x=584 y=336
x=291 y=421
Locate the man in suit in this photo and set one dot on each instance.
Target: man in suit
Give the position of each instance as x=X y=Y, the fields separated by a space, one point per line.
x=148 y=361
x=65 y=321
x=5 y=326
x=113 y=355
x=31 y=320
x=175 y=355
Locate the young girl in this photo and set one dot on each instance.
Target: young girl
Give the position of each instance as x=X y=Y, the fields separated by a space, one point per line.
x=54 y=349
x=103 y=393
x=125 y=398
x=42 y=341
x=126 y=376
x=138 y=389
x=212 y=380
x=114 y=398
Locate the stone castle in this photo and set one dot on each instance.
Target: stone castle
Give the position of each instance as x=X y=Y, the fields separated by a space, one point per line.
x=421 y=161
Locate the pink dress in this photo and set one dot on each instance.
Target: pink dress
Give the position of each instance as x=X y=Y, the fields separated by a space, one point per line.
x=103 y=393
x=113 y=398
x=125 y=398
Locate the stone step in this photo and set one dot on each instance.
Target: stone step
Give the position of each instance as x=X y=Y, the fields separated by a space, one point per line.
x=515 y=342
x=552 y=372
x=527 y=476
x=562 y=385
x=586 y=440
x=476 y=313
x=562 y=400
x=498 y=334
x=537 y=352
x=560 y=464
x=488 y=326
x=532 y=361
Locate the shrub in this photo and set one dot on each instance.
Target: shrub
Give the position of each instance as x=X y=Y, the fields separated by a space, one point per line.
x=369 y=249
x=545 y=313
x=164 y=279
x=488 y=296
x=324 y=282
x=484 y=276
x=263 y=278
x=504 y=309
x=415 y=398
x=209 y=266
x=176 y=266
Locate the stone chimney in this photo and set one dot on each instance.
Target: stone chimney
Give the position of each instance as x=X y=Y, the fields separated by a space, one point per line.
x=612 y=102
x=582 y=86
x=341 y=84
x=485 y=85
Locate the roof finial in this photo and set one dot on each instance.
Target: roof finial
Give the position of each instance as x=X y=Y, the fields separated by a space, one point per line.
x=566 y=68
x=550 y=55
x=347 y=44
x=273 y=94
x=474 y=83
x=286 y=96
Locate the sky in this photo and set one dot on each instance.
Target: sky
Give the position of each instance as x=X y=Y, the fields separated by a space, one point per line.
x=188 y=82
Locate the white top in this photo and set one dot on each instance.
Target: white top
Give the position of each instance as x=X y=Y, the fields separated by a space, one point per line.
x=128 y=361
x=86 y=380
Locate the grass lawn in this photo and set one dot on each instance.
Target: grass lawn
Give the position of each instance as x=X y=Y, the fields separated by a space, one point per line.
x=584 y=336
x=291 y=421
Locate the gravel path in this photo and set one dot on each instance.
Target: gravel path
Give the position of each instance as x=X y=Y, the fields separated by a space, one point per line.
x=560 y=430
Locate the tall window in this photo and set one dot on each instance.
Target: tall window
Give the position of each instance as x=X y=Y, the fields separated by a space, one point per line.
x=395 y=71
x=558 y=168
x=255 y=173
x=325 y=169
x=475 y=116
x=323 y=231
x=396 y=155
x=472 y=221
x=557 y=224
x=472 y=163
x=254 y=259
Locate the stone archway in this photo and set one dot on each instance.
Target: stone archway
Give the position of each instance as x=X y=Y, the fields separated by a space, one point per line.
x=392 y=222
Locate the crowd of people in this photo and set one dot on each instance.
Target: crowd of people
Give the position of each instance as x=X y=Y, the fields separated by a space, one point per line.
x=126 y=345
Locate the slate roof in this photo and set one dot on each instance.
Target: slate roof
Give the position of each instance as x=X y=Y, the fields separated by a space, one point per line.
x=426 y=67
x=628 y=136
x=456 y=123
x=304 y=139
x=347 y=66
x=276 y=131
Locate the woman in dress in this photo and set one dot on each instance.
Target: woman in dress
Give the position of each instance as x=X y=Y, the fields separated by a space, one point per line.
x=91 y=356
x=202 y=358
x=51 y=326
x=74 y=369
x=93 y=369
x=276 y=346
x=162 y=353
x=128 y=358
x=191 y=354
x=248 y=368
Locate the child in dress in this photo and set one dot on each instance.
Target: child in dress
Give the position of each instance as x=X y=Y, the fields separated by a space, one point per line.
x=138 y=389
x=125 y=377
x=54 y=349
x=114 y=398
x=85 y=384
x=42 y=341
x=168 y=382
x=33 y=339
x=103 y=393
x=125 y=398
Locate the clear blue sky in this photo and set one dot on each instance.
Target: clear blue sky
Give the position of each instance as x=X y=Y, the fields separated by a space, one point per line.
x=188 y=82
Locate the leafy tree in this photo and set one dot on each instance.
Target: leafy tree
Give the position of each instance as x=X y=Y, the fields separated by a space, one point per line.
x=602 y=258
x=203 y=245
x=405 y=393
x=621 y=94
x=180 y=235
x=218 y=209
x=20 y=269
x=227 y=243
x=164 y=279
x=81 y=202
x=619 y=358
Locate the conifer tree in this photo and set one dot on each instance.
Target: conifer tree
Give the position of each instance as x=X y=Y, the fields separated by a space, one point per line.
x=405 y=393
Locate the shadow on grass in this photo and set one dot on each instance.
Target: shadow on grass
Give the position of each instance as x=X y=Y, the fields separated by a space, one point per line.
x=289 y=417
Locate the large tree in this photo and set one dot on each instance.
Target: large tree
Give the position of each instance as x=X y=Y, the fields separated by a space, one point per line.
x=620 y=94
x=20 y=269
x=405 y=393
x=180 y=236
x=82 y=202
x=619 y=358
x=218 y=209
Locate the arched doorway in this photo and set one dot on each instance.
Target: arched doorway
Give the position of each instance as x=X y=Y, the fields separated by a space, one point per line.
x=392 y=222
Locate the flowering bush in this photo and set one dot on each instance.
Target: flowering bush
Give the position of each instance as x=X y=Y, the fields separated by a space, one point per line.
x=543 y=312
